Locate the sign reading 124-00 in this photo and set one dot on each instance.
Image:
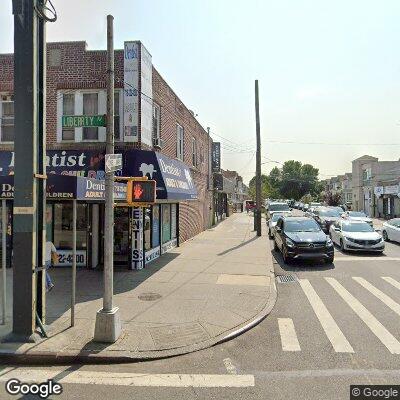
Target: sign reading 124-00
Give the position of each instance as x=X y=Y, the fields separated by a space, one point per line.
x=83 y=121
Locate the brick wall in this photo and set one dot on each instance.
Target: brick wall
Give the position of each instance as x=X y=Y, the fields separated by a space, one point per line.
x=70 y=66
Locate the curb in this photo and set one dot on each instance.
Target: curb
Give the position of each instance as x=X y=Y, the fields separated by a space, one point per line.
x=76 y=357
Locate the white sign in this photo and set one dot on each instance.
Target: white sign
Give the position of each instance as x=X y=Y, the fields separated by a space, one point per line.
x=394 y=189
x=168 y=246
x=131 y=91
x=152 y=254
x=146 y=97
x=113 y=162
x=137 y=238
x=65 y=258
x=378 y=191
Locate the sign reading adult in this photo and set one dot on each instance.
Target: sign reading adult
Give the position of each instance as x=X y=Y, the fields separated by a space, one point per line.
x=141 y=191
x=83 y=121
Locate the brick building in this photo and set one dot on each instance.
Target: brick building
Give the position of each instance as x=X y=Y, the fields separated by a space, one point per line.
x=156 y=133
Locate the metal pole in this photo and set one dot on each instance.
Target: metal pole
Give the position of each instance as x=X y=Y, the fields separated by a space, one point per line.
x=73 y=263
x=258 y=165
x=3 y=257
x=108 y=322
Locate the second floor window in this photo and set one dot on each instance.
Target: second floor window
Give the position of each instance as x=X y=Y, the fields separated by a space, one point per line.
x=90 y=107
x=179 y=142
x=68 y=109
x=156 y=121
x=194 y=152
x=7 y=121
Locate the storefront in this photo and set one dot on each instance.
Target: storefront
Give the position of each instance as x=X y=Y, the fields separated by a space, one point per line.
x=140 y=234
x=388 y=202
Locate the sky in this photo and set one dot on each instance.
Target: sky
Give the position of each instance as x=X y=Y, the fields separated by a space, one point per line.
x=328 y=71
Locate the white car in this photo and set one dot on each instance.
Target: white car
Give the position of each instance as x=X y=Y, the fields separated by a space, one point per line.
x=356 y=236
x=277 y=208
x=271 y=223
x=359 y=216
x=391 y=230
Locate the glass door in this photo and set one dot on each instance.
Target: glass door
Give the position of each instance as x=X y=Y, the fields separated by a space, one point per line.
x=121 y=236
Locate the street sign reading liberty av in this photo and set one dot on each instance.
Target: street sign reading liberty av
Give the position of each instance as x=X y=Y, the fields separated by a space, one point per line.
x=84 y=121
x=141 y=191
x=113 y=162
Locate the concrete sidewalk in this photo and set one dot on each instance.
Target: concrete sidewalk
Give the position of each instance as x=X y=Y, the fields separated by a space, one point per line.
x=213 y=287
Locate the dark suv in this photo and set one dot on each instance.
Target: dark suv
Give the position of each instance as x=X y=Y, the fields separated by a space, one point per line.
x=326 y=217
x=300 y=238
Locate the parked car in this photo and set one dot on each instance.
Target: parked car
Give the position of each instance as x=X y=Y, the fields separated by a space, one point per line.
x=337 y=208
x=391 y=230
x=300 y=206
x=311 y=212
x=277 y=207
x=357 y=216
x=315 y=204
x=302 y=238
x=356 y=236
x=325 y=217
x=306 y=206
x=271 y=223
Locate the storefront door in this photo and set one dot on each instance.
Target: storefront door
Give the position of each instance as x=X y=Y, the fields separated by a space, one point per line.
x=122 y=236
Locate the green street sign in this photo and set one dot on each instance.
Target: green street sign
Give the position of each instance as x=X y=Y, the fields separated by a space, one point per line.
x=86 y=121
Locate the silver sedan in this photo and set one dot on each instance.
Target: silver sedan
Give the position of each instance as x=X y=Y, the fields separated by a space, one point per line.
x=356 y=236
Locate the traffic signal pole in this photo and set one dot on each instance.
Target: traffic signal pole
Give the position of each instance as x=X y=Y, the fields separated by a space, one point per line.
x=108 y=321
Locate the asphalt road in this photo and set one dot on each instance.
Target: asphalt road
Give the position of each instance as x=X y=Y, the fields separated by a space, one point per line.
x=327 y=331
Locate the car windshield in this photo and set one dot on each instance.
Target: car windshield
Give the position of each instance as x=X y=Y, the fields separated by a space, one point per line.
x=360 y=227
x=356 y=214
x=329 y=213
x=276 y=216
x=279 y=207
x=304 y=225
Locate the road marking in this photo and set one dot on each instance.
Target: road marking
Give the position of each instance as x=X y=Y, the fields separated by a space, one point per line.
x=392 y=344
x=127 y=379
x=288 y=335
x=374 y=258
x=380 y=295
x=392 y=281
x=335 y=335
x=229 y=366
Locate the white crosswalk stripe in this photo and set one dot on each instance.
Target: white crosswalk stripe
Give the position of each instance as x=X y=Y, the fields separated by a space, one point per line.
x=391 y=343
x=332 y=330
x=288 y=335
x=379 y=294
x=392 y=281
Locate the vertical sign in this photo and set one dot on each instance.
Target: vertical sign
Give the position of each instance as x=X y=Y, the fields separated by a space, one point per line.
x=146 y=96
x=137 y=238
x=216 y=157
x=131 y=91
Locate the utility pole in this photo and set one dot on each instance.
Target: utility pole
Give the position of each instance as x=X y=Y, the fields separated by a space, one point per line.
x=257 y=214
x=108 y=320
x=30 y=172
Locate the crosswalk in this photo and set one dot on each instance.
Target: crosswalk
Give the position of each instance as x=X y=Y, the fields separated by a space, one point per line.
x=290 y=340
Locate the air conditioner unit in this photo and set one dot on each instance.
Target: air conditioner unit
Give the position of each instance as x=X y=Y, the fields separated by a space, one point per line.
x=157 y=142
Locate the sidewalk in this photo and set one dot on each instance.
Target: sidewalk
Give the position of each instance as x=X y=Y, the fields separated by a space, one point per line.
x=213 y=287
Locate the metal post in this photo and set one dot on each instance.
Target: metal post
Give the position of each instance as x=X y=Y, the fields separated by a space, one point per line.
x=3 y=258
x=258 y=165
x=73 y=292
x=108 y=322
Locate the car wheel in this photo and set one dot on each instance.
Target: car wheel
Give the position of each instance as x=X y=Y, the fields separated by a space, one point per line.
x=330 y=260
x=385 y=236
x=269 y=234
x=342 y=246
x=286 y=258
x=276 y=248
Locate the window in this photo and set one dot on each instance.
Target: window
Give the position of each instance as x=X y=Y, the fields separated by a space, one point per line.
x=166 y=222
x=68 y=109
x=116 y=116
x=156 y=121
x=367 y=174
x=179 y=142
x=7 y=121
x=90 y=107
x=194 y=152
x=147 y=228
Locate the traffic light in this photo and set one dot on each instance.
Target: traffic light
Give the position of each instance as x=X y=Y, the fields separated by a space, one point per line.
x=141 y=191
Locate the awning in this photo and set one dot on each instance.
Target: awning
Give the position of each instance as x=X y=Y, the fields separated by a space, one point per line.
x=65 y=187
x=173 y=177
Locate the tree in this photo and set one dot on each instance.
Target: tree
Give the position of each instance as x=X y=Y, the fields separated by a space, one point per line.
x=332 y=199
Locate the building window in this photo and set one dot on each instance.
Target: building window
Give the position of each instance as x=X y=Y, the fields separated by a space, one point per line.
x=90 y=107
x=194 y=152
x=147 y=228
x=179 y=142
x=367 y=174
x=156 y=226
x=116 y=116
x=166 y=222
x=68 y=109
x=7 y=121
x=156 y=121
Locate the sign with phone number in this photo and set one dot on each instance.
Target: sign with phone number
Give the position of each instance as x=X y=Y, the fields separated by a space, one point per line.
x=65 y=258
